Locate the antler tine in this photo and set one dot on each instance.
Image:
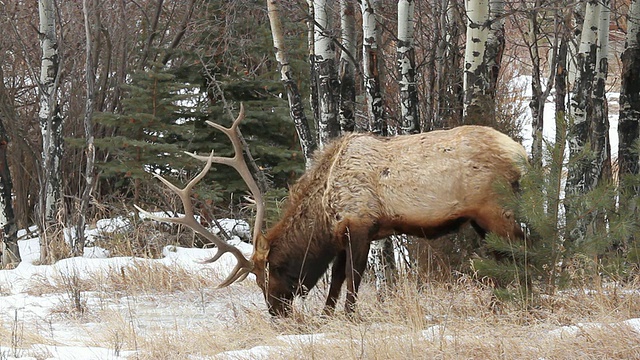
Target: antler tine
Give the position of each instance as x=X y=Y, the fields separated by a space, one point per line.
x=239 y=274
x=243 y=266
x=238 y=162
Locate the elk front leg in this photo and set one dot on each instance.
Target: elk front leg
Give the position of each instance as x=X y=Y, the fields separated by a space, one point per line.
x=338 y=274
x=357 y=237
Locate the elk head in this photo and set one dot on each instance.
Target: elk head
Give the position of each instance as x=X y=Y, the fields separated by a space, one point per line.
x=258 y=264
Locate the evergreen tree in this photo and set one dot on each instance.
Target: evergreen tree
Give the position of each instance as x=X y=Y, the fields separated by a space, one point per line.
x=150 y=133
x=246 y=72
x=269 y=133
x=546 y=258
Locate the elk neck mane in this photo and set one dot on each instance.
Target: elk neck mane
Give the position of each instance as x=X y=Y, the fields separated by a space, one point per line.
x=304 y=234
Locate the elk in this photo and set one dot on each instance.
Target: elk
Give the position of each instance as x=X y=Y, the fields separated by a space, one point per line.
x=362 y=188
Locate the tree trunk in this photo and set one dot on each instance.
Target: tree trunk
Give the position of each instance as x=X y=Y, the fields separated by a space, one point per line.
x=478 y=107
x=383 y=264
x=296 y=108
x=90 y=15
x=558 y=153
x=599 y=137
x=629 y=121
x=325 y=70
x=51 y=128
x=347 y=68
x=10 y=250
x=581 y=102
x=448 y=70
x=495 y=46
x=537 y=102
x=371 y=75
x=382 y=251
x=407 y=69
x=313 y=76
x=538 y=95
x=153 y=32
x=590 y=123
x=180 y=34
x=483 y=56
x=560 y=81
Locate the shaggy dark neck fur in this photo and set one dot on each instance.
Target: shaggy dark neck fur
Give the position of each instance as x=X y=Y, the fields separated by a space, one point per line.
x=302 y=244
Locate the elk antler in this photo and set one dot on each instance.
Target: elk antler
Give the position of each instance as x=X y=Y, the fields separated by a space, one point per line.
x=238 y=162
x=244 y=265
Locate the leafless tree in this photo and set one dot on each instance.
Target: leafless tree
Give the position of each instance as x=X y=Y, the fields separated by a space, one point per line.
x=347 y=66
x=407 y=68
x=629 y=122
x=483 y=57
x=51 y=123
x=371 y=67
x=10 y=249
x=294 y=98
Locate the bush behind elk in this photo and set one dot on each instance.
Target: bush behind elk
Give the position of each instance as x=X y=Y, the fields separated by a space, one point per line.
x=362 y=188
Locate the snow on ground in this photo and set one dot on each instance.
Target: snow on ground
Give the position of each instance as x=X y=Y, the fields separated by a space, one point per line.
x=21 y=311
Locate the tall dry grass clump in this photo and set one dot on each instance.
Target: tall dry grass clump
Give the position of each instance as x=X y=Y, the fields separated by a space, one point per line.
x=139 y=277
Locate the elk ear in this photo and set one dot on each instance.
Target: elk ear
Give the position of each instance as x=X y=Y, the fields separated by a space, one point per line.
x=261 y=248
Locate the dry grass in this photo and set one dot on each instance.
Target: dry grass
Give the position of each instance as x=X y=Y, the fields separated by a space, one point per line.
x=139 y=278
x=16 y=336
x=436 y=322
x=166 y=312
x=147 y=239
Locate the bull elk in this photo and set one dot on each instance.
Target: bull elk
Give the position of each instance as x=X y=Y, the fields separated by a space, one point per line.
x=362 y=188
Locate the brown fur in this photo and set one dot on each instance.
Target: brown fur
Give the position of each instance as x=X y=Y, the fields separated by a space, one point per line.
x=363 y=188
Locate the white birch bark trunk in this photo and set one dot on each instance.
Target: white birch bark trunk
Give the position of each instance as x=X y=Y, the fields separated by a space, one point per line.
x=473 y=80
x=327 y=84
x=296 y=108
x=50 y=201
x=583 y=172
x=382 y=251
x=50 y=122
x=406 y=63
x=581 y=101
x=313 y=76
x=383 y=263
x=347 y=67
x=371 y=75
